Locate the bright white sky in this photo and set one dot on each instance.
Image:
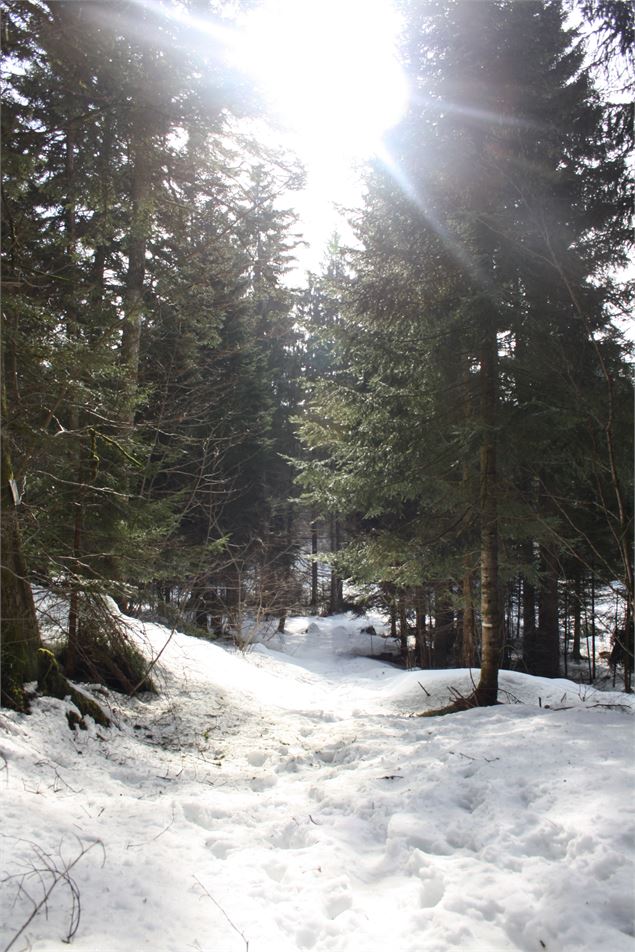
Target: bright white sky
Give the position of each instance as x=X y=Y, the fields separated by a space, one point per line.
x=330 y=73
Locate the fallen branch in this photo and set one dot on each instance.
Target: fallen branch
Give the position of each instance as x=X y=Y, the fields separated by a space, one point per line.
x=218 y=906
x=152 y=664
x=59 y=874
x=156 y=835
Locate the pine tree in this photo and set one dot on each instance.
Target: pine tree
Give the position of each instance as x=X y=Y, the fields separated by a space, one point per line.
x=487 y=236
x=132 y=354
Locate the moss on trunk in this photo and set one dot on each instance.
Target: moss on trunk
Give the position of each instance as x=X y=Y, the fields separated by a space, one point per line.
x=52 y=682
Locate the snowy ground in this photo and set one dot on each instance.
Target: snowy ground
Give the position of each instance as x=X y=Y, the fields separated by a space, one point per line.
x=287 y=800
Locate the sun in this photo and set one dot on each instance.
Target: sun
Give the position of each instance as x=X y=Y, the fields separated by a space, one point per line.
x=329 y=71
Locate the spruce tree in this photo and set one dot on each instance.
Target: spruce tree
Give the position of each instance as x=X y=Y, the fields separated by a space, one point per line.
x=488 y=233
x=134 y=347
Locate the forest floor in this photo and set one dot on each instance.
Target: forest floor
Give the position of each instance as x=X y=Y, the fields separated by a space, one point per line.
x=286 y=799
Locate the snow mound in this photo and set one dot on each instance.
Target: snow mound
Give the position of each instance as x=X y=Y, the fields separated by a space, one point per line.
x=287 y=798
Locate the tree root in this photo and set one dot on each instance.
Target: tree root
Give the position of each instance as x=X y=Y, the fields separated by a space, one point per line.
x=52 y=683
x=462 y=702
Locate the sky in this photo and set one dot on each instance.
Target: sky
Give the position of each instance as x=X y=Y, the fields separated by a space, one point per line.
x=330 y=72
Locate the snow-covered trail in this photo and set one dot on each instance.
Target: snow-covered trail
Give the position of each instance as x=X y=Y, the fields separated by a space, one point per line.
x=286 y=800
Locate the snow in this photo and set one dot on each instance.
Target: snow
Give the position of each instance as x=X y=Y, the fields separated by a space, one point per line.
x=286 y=799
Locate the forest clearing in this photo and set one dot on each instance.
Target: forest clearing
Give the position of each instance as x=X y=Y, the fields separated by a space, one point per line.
x=316 y=484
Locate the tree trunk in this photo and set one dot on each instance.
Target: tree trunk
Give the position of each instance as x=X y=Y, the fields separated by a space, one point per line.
x=420 y=635
x=468 y=641
x=546 y=654
x=20 y=634
x=529 y=623
x=468 y=621
x=391 y=598
x=22 y=657
x=592 y=627
x=577 y=619
x=314 y=565
x=335 y=599
x=141 y=216
x=74 y=628
x=339 y=594
x=72 y=327
x=403 y=630
x=508 y=627
x=487 y=689
x=444 y=631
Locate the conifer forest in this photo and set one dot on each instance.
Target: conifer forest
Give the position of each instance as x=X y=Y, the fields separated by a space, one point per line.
x=413 y=453
x=445 y=408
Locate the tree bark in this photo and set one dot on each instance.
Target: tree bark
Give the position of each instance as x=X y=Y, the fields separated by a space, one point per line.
x=529 y=622
x=468 y=641
x=141 y=214
x=403 y=629
x=577 y=619
x=335 y=600
x=546 y=654
x=420 y=614
x=444 y=630
x=20 y=633
x=339 y=586
x=314 y=565
x=72 y=326
x=487 y=689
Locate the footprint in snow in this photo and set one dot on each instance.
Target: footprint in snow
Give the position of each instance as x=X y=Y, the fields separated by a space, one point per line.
x=306 y=938
x=337 y=903
x=258 y=784
x=204 y=816
x=219 y=848
x=276 y=871
x=292 y=837
x=256 y=758
x=432 y=891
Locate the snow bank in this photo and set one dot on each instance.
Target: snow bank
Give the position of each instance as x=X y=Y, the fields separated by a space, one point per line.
x=288 y=799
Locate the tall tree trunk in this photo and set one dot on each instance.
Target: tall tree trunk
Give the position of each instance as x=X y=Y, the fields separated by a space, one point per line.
x=20 y=635
x=10 y=314
x=468 y=641
x=22 y=659
x=339 y=594
x=487 y=688
x=102 y=221
x=444 y=631
x=508 y=626
x=529 y=622
x=546 y=655
x=391 y=597
x=335 y=599
x=141 y=217
x=314 y=564
x=593 y=605
x=403 y=629
x=420 y=633
x=577 y=618
x=629 y=653
x=72 y=327
x=468 y=619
